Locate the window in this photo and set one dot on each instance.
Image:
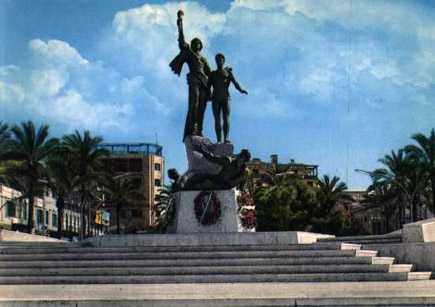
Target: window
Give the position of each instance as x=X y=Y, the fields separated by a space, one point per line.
x=25 y=211
x=255 y=171
x=54 y=220
x=39 y=216
x=66 y=221
x=157 y=166
x=10 y=209
x=157 y=182
x=46 y=217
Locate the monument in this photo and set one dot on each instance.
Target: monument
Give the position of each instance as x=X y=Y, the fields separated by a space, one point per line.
x=206 y=198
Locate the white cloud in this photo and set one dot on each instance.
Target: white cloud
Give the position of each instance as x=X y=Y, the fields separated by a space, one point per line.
x=65 y=87
x=151 y=31
x=48 y=82
x=56 y=52
x=11 y=93
x=72 y=108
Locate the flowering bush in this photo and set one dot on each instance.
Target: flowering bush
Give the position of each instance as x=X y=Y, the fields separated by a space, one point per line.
x=246 y=209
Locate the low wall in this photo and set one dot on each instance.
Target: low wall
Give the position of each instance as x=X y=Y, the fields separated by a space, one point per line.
x=245 y=238
x=7 y=235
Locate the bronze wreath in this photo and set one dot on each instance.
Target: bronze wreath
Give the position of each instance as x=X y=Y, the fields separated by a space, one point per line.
x=207 y=208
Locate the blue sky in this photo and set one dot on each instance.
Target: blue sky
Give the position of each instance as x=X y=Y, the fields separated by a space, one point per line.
x=334 y=83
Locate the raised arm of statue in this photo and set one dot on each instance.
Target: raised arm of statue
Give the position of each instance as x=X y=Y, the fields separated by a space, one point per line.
x=236 y=84
x=181 y=41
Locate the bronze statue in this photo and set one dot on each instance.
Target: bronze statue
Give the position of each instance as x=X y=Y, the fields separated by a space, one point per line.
x=197 y=79
x=220 y=80
x=233 y=173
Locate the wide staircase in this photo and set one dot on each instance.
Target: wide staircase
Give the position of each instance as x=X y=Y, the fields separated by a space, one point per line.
x=65 y=263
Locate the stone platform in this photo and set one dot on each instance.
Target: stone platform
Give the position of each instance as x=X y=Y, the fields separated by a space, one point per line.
x=198 y=239
x=417 y=293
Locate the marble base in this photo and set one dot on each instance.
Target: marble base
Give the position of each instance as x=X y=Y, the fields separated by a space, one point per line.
x=185 y=220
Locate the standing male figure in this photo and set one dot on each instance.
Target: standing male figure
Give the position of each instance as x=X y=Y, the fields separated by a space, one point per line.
x=220 y=80
x=197 y=79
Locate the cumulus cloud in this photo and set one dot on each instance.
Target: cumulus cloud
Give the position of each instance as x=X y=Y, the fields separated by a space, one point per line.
x=63 y=86
x=56 y=53
x=294 y=57
x=151 y=31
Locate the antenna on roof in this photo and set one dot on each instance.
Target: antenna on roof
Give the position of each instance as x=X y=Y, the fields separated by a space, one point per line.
x=156 y=139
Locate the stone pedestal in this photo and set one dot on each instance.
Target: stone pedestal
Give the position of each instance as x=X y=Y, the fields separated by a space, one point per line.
x=186 y=221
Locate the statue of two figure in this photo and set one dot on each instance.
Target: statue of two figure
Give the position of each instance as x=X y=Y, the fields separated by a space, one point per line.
x=200 y=80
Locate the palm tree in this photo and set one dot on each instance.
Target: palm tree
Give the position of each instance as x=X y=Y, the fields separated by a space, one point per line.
x=329 y=193
x=405 y=174
x=87 y=164
x=165 y=207
x=29 y=148
x=5 y=137
x=62 y=181
x=384 y=196
x=120 y=192
x=424 y=152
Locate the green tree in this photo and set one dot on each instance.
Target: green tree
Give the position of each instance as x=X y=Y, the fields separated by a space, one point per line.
x=284 y=206
x=165 y=207
x=62 y=180
x=424 y=152
x=5 y=137
x=403 y=172
x=29 y=148
x=326 y=218
x=384 y=196
x=120 y=192
x=329 y=193
x=86 y=160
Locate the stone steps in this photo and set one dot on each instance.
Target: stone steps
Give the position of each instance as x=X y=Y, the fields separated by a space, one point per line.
x=319 y=262
x=197 y=262
x=211 y=278
x=376 y=239
x=186 y=255
x=205 y=269
x=36 y=249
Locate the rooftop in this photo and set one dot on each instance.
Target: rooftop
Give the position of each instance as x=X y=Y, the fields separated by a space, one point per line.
x=144 y=149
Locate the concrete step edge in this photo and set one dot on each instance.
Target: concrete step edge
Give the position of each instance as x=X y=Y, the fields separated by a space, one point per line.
x=420 y=275
x=184 y=302
x=383 y=260
x=200 y=270
x=186 y=262
x=359 y=238
x=366 y=253
x=216 y=278
x=400 y=268
x=207 y=254
x=276 y=247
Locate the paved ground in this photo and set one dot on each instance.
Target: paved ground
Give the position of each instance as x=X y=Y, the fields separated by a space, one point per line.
x=244 y=294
